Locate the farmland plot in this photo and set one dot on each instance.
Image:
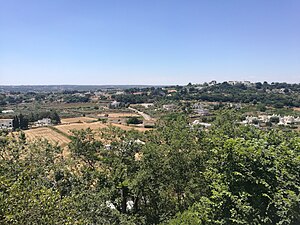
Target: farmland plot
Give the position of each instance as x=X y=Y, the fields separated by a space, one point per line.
x=48 y=134
x=77 y=120
x=66 y=128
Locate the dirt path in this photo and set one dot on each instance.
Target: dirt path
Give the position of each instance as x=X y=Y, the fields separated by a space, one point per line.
x=144 y=115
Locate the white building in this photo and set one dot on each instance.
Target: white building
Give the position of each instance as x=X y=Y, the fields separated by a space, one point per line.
x=115 y=104
x=231 y=82
x=8 y=111
x=6 y=123
x=43 y=122
x=283 y=120
x=247 y=83
x=120 y=93
x=197 y=122
x=147 y=105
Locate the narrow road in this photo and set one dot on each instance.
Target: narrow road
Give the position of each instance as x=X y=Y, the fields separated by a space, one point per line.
x=144 y=115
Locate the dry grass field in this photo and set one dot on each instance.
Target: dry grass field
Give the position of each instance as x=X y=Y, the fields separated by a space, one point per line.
x=297 y=109
x=124 y=127
x=47 y=133
x=71 y=124
x=66 y=128
x=77 y=120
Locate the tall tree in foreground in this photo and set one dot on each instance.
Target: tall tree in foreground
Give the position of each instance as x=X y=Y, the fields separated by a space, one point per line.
x=175 y=174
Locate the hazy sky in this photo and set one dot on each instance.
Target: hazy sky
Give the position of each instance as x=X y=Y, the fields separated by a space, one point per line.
x=148 y=41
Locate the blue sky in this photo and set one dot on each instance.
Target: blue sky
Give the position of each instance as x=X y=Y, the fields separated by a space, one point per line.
x=148 y=42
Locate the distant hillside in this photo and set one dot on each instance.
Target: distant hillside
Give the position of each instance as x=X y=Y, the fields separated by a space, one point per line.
x=59 y=88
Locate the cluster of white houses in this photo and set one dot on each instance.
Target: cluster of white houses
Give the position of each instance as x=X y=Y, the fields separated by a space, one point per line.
x=42 y=122
x=7 y=124
x=282 y=120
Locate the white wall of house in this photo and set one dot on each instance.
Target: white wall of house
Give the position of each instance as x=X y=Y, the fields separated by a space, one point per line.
x=6 y=123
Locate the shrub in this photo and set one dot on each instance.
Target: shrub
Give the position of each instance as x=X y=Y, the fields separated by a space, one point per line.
x=134 y=120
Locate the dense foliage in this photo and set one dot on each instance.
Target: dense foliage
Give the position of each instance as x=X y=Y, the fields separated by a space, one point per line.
x=38 y=115
x=20 y=122
x=274 y=94
x=176 y=174
x=134 y=120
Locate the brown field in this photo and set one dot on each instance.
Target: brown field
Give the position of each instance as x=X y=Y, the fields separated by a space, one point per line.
x=66 y=128
x=76 y=120
x=71 y=124
x=124 y=127
x=297 y=109
x=46 y=133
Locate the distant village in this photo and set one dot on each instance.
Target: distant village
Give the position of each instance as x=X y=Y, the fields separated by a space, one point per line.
x=199 y=101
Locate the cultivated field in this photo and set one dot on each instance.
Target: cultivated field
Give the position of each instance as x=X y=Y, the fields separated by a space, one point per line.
x=70 y=124
x=66 y=128
x=124 y=127
x=77 y=120
x=46 y=133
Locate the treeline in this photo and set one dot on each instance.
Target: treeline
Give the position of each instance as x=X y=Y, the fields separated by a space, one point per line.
x=22 y=121
x=276 y=100
x=146 y=95
x=132 y=99
x=34 y=116
x=176 y=174
x=67 y=96
x=275 y=94
x=240 y=93
x=75 y=99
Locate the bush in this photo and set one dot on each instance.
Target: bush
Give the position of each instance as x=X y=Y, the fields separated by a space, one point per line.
x=134 y=120
x=103 y=120
x=274 y=119
x=149 y=125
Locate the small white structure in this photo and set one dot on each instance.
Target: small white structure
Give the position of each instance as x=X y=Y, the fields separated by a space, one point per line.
x=107 y=146
x=43 y=122
x=247 y=83
x=197 y=122
x=115 y=104
x=147 y=105
x=231 y=82
x=6 y=124
x=99 y=93
x=138 y=141
x=8 y=111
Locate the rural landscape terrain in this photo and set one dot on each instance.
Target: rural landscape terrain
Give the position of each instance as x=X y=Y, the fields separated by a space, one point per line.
x=156 y=112
x=223 y=152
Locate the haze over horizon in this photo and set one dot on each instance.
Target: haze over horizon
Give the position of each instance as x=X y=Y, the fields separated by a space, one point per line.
x=148 y=42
